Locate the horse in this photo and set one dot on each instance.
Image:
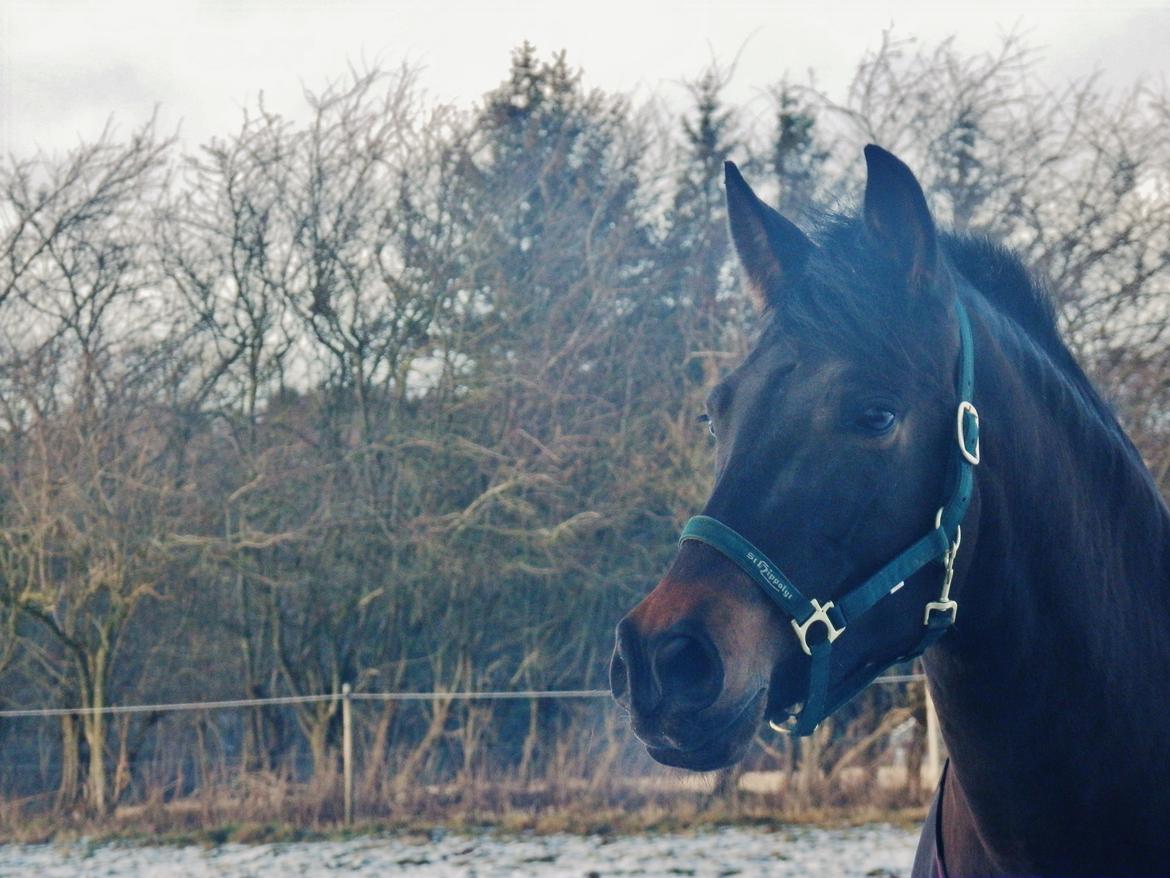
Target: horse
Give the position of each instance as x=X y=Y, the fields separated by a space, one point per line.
x=911 y=461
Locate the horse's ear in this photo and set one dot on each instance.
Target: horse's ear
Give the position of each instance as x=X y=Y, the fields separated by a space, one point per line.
x=898 y=219
x=771 y=249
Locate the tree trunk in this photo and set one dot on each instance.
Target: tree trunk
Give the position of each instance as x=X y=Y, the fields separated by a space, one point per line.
x=531 y=740
x=68 y=790
x=94 y=726
x=316 y=726
x=810 y=776
x=375 y=754
x=413 y=762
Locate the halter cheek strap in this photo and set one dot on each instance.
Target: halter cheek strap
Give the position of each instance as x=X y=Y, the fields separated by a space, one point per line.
x=940 y=544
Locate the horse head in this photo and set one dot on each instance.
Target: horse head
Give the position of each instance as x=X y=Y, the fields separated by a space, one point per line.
x=835 y=452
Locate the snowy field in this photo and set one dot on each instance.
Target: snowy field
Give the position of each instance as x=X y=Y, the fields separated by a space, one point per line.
x=876 y=851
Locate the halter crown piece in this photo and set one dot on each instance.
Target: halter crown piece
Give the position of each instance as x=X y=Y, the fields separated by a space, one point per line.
x=940 y=544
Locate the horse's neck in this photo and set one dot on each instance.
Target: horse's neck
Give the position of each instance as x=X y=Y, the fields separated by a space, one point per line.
x=1053 y=688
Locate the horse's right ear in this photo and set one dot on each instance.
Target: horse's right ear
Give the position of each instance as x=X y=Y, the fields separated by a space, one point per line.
x=771 y=249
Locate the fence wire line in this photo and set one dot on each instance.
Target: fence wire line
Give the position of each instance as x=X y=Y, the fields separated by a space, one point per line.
x=499 y=695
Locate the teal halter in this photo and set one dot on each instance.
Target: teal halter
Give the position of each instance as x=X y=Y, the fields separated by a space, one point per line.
x=939 y=544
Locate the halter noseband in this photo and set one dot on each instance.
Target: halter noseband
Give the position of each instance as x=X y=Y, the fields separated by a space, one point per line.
x=939 y=544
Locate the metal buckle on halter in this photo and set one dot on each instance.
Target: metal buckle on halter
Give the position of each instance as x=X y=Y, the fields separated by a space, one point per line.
x=947 y=606
x=944 y=604
x=819 y=614
x=966 y=408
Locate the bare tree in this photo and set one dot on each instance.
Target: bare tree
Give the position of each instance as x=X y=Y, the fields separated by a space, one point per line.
x=84 y=490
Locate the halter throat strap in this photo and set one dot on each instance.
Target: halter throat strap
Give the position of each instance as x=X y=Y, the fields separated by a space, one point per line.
x=940 y=544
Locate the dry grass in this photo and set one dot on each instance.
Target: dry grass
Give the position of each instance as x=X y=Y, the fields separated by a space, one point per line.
x=265 y=807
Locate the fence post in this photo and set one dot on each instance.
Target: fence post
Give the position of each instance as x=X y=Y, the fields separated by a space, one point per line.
x=347 y=750
x=933 y=766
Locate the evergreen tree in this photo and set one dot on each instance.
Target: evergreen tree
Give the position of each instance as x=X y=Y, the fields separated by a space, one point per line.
x=696 y=242
x=796 y=159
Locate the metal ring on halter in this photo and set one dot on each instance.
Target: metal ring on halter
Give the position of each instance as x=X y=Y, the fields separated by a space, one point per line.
x=958 y=536
x=786 y=728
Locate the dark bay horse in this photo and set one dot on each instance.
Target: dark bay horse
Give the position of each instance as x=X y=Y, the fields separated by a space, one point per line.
x=910 y=460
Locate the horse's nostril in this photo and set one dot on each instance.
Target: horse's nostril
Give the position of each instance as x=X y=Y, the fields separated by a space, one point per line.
x=688 y=670
x=680 y=663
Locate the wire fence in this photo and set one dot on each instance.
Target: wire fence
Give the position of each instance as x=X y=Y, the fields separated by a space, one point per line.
x=345 y=699
x=490 y=695
x=304 y=699
x=486 y=695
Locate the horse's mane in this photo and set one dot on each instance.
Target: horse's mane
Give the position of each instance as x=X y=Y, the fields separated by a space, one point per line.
x=1001 y=278
x=998 y=275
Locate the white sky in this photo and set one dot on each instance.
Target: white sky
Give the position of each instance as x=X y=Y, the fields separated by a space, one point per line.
x=66 y=67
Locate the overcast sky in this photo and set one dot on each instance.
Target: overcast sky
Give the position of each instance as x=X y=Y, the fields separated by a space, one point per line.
x=66 y=67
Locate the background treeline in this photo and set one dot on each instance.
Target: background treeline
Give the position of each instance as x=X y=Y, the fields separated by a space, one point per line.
x=404 y=396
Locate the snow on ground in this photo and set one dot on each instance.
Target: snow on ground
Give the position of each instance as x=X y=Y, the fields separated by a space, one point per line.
x=876 y=850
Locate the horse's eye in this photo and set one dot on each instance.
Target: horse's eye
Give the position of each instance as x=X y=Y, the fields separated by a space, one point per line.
x=705 y=418
x=877 y=420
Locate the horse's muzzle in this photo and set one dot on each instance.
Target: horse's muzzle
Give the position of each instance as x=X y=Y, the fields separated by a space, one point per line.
x=672 y=681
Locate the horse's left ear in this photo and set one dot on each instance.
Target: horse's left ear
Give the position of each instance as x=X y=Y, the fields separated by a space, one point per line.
x=771 y=249
x=898 y=219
